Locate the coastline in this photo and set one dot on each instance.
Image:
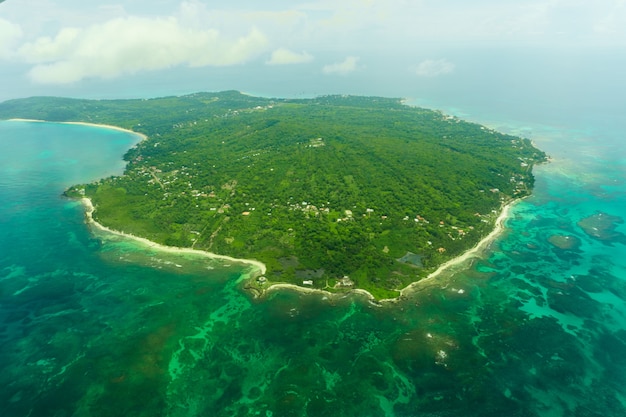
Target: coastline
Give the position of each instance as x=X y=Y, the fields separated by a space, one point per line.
x=89 y=209
x=468 y=254
x=120 y=129
x=103 y=126
x=459 y=260
x=306 y=290
x=261 y=267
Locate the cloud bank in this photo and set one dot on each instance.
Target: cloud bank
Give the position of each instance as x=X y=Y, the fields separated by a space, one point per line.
x=284 y=56
x=130 y=45
x=345 y=67
x=434 y=68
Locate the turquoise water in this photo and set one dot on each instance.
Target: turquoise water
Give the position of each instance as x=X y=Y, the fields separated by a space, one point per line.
x=96 y=325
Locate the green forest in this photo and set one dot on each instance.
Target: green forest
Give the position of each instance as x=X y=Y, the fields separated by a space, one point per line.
x=333 y=192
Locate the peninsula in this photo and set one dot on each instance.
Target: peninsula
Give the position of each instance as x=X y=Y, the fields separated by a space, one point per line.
x=334 y=193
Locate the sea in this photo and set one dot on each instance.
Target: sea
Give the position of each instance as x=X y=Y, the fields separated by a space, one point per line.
x=94 y=324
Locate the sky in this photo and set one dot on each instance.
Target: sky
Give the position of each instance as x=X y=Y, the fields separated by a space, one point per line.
x=109 y=48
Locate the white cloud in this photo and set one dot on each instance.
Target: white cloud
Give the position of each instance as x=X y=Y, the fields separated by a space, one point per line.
x=130 y=45
x=9 y=34
x=69 y=40
x=284 y=56
x=434 y=68
x=347 y=66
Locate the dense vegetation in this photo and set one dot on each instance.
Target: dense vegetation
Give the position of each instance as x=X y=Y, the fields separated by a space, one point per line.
x=318 y=189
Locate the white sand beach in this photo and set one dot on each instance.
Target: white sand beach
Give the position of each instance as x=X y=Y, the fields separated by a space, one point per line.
x=89 y=215
x=469 y=254
x=143 y=137
x=499 y=227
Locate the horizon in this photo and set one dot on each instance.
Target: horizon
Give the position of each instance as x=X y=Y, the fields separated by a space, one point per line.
x=439 y=52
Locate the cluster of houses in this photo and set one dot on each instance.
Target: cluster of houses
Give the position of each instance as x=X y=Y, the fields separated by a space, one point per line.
x=309 y=209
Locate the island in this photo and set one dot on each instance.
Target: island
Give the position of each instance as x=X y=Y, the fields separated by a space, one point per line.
x=334 y=193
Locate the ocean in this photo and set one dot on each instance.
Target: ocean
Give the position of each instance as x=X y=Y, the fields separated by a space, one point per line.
x=92 y=324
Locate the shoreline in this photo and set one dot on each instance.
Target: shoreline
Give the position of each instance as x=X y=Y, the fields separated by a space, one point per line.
x=258 y=265
x=90 y=208
x=261 y=267
x=103 y=126
x=306 y=290
x=464 y=257
x=459 y=260
x=119 y=129
x=468 y=254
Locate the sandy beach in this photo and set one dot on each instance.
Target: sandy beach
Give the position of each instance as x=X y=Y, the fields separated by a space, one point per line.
x=27 y=120
x=499 y=227
x=330 y=295
x=143 y=137
x=306 y=290
x=471 y=253
x=89 y=209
